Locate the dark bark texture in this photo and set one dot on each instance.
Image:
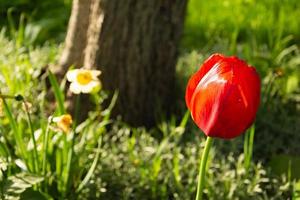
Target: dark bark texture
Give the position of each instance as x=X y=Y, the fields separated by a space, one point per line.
x=134 y=43
x=137 y=54
x=93 y=33
x=76 y=39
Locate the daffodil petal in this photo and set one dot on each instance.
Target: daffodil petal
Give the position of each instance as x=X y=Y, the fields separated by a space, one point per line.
x=71 y=75
x=89 y=87
x=56 y=119
x=75 y=88
x=95 y=74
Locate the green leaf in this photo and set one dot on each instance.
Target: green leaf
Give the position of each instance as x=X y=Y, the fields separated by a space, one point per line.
x=292 y=84
x=17 y=184
x=30 y=194
x=59 y=96
x=17 y=134
x=286 y=164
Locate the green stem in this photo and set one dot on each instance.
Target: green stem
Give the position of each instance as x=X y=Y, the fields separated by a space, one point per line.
x=71 y=150
x=248 y=146
x=35 y=153
x=202 y=168
x=4 y=96
x=17 y=134
x=92 y=168
x=45 y=149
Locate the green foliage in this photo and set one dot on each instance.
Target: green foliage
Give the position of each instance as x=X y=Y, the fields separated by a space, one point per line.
x=35 y=21
x=51 y=164
x=237 y=21
x=296 y=192
x=258 y=183
x=14 y=186
x=21 y=67
x=130 y=169
x=59 y=95
x=286 y=164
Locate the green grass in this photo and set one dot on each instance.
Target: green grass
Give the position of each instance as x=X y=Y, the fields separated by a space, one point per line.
x=45 y=20
x=240 y=20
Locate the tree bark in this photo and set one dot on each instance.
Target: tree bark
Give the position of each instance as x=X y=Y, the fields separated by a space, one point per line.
x=138 y=48
x=76 y=39
x=135 y=44
x=93 y=33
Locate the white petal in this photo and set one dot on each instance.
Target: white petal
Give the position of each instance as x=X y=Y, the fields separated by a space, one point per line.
x=94 y=84
x=56 y=119
x=75 y=88
x=71 y=75
x=95 y=74
x=89 y=87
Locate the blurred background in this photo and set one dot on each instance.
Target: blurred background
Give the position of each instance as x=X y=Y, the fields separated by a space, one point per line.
x=147 y=53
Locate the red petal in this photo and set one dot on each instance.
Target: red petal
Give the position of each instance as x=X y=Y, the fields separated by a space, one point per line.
x=234 y=115
x=208 y=96
x=195 y=79
x=226 y=99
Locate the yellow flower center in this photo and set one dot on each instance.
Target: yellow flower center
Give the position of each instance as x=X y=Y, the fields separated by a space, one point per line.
x=66 y=119
x=84 y=78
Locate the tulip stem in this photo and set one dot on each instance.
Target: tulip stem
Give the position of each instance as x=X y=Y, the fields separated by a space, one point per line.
x=202 y=168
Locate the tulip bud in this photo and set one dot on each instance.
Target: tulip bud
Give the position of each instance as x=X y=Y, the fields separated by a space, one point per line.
x=223 y=96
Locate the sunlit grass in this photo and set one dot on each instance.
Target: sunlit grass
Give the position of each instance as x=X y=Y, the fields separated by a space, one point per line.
x=245 y=20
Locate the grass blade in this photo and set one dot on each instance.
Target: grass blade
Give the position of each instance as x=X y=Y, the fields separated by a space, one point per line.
x=17 y=134
x=92 y=168
x=59 y=96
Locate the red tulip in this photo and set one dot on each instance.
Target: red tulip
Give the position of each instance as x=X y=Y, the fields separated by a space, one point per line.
x=223 y=96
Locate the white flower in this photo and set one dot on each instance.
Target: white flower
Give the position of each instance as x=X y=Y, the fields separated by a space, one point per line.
x=83 y=80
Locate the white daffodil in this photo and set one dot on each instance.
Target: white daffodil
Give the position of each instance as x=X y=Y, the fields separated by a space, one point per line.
x=63 y=122
x=83 y=80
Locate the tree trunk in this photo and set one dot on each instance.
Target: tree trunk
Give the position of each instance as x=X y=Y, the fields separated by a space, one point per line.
x=76 y=39
x=93 y=33
x=137 y=55
x=134 y=43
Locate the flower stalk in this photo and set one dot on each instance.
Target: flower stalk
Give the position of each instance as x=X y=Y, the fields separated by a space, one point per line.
x=35 y=153
x=45 y=150
x=248 y=147
x=202 y=168
x=71 y=150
